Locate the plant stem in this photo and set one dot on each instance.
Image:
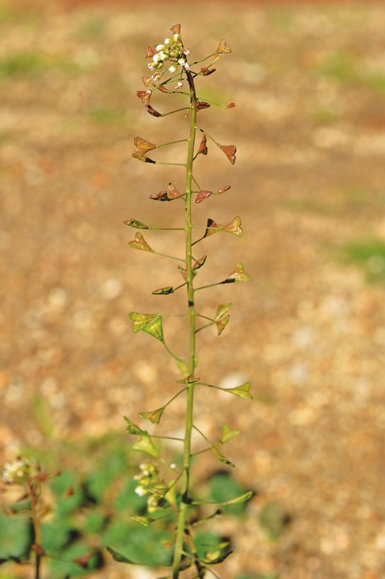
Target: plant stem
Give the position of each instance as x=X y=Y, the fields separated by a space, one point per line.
x=181 y=528
x=33 y=495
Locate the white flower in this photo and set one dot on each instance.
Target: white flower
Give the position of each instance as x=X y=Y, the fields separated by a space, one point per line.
x=181 y=61
x=186 y=51
x=172 y=68
x=17 y=470
x=159 y=47
x=152 y=501
x=157 y=57
x=167 y=41
x=162 y=55
x=179 y=84
x=173 y=465
x=176 y=37
x=140 y=491
x=186 y=65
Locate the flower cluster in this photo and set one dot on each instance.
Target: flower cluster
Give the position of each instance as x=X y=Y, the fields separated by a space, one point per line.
x=150 y=484
x=171 y=50
x=19 y=471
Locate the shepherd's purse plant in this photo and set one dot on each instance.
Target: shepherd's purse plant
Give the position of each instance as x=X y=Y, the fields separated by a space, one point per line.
x=167 y=486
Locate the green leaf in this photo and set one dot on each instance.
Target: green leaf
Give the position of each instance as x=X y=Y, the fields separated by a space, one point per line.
x=66 y=565
x=133 y=428
x=150 y=323
x=228 y=433
x=207 y=543
x=114 y=464
x=70 y=495
x=136 y=544
x=226 y=491
x=146 y=445
x=15 y=537
x=242 y=391
x=129 y=500
x=163 y=291
x=219 y=554
x=94 y=523
x=153 y=416
x=119 y=557
x=56 y=534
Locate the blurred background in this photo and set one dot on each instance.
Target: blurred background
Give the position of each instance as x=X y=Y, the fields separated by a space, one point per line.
x=308 y=80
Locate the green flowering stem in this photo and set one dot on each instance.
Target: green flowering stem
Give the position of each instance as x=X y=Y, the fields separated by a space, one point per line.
x=176 y=111
x=175 y=396
x=203 y=59
x=166 y=255
x=214 y=103
x=207 y=318
x=151 y=228
x=203 y=436
x=166 y=163
x=167 y=437
x=181 y=528
x=196 y=183
x=172 y=142
x=211 y=386
x=209 y=136
x=204 y=327
x=179 y=286
x=209 y=285
x=172 y=353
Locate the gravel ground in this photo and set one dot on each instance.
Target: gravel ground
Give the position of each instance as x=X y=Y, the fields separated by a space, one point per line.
x=308 y=331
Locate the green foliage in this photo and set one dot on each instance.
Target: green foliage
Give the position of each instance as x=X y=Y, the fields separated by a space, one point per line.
x=42 y=414
x=141 y=545
x=69 y=494
x=22 y=64
x=15 y=537
x=375 y=81
x=106 y=116
x=273 y=520
x=207 y=542
x=127 y=501
x=223 y=487
x=339 y=65
x=66 y=565
x=56 y=534
x=99 y=479
x=93 y=28
x=369 y=254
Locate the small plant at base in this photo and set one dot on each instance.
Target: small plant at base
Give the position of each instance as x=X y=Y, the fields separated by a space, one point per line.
x=28 y=474
x=171 y=494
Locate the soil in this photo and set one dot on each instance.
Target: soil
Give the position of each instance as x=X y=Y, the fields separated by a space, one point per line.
x=307 y=331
